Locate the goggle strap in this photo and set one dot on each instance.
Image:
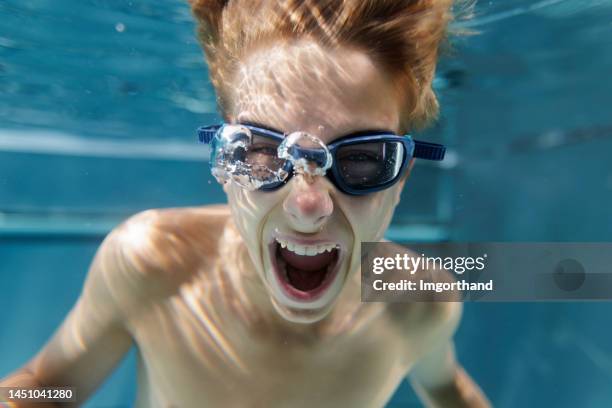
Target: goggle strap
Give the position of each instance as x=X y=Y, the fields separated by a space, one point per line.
x=207 y=133
x=422 y=150
x=428 y=151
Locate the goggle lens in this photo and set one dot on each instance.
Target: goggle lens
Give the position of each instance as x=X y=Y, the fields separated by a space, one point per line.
x=263 y=154
x=363 y=166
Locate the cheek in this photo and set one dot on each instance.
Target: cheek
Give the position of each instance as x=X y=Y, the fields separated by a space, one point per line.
x=249 y=210
x=370 y=215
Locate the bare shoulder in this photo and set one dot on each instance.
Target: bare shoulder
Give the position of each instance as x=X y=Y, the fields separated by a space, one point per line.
x=155 y=251
x=430 y=317
x=424 y=325
x=437 y=317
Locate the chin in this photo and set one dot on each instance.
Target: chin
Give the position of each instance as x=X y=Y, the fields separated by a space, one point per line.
x=300 y=316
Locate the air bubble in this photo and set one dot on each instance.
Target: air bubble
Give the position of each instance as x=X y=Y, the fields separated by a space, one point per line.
x=308 y=153
x=230 y=163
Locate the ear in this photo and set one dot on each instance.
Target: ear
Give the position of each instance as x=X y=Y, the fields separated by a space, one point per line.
x=402 y=182
x=408 y=171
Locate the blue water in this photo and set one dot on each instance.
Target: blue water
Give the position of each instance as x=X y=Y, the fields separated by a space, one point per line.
x=99 y=100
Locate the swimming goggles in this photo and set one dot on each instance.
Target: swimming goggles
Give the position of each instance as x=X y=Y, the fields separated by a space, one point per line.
x=257 y=158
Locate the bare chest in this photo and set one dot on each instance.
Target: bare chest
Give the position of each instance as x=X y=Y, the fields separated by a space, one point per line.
x=193 y=357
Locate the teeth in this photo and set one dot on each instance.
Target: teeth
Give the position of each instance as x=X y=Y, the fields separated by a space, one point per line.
x=308 y=250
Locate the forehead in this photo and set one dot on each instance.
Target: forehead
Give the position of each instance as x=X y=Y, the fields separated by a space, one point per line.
x=302 y=86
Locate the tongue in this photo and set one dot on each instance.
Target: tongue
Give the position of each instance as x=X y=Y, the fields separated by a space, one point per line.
x=306 y=273
x=305 y=280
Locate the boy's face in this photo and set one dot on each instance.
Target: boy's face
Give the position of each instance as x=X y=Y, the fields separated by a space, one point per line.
x=329 y=94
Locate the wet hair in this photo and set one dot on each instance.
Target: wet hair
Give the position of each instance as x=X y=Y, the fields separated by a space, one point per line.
x=403 y=37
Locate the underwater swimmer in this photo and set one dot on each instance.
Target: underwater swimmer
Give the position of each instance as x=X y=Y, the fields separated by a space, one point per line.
x=257 y=304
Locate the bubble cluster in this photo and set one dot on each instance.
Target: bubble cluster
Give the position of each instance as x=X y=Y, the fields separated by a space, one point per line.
x=235 y=157
x=229 y=160
x=307 y=153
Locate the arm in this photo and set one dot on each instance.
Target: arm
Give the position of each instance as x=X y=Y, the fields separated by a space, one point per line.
x=438 y=379
x=141 y=262
x=91 y=340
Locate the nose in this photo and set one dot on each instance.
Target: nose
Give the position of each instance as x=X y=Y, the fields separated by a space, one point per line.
x=308 y=205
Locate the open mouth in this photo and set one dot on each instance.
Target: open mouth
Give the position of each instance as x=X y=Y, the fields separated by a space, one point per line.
x=304 y=271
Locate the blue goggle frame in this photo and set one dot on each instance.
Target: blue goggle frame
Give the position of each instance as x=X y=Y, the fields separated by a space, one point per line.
x=412 y=148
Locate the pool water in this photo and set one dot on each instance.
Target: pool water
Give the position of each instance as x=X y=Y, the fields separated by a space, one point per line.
x=99 y=101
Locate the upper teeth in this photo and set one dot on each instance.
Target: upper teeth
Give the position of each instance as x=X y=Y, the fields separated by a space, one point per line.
x=308 y=250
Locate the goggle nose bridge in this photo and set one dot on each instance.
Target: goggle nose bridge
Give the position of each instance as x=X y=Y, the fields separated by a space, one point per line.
x=316 y=156
x=315 y=159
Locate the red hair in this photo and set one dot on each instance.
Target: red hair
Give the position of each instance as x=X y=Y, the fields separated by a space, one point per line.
x=402 y=36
